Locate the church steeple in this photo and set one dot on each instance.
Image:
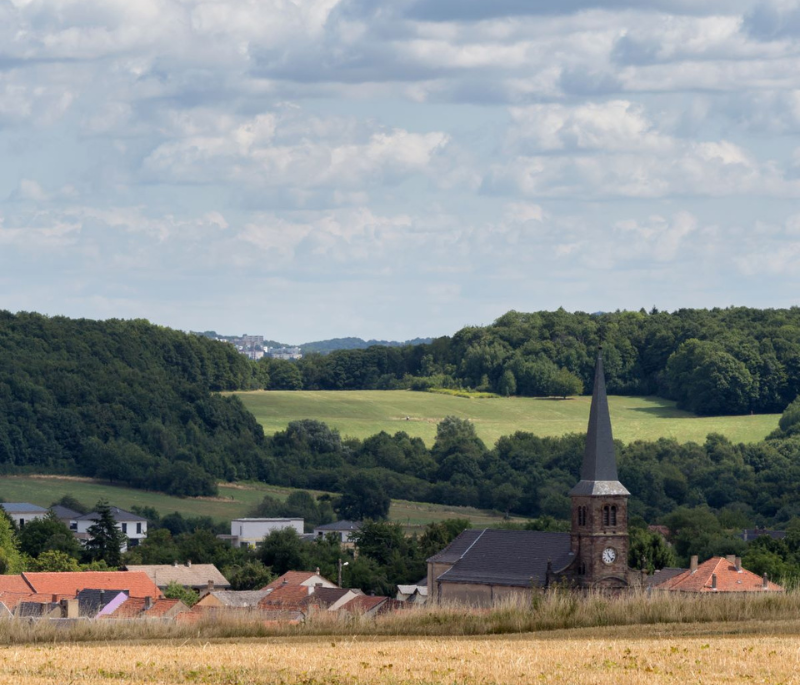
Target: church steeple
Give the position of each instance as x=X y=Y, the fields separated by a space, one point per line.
x=599 y=470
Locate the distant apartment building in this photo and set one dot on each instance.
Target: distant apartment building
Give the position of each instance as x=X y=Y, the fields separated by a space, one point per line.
x=288 y=353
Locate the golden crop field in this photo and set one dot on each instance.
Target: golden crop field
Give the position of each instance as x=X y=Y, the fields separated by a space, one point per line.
x=575 y=658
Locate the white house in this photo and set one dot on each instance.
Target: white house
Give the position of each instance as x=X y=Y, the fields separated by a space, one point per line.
x=132 y=526
x=23 y=512
x=248 y=532
x=343 y=529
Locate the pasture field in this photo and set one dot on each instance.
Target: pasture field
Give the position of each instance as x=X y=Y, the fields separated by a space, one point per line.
x=361 y=413
x=570 y=657
x=234 y=500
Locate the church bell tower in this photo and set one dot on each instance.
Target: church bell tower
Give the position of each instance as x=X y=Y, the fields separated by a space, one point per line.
x=599 y=537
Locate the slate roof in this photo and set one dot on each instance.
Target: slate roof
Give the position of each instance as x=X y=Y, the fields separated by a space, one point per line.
x=509 y=557
x=455 y=550
x=728 y=579
x=599 y=468
x=65 y=513
x=343 y=526
x=239 y=598
x=119 y=515
x=194 y=575
x=90 y=601
x=662 y=576
x=70 y=583
x=326 y=596
x=22 y=508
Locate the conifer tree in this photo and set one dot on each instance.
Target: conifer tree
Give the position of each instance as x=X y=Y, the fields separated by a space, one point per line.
x=106 y=540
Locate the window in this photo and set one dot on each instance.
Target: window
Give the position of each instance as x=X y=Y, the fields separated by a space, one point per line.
x=581 y=516
x=613 y=516
x=582 y=569
x=124 y=527
x=22 y=523
x=139 y=528
x=606 y=515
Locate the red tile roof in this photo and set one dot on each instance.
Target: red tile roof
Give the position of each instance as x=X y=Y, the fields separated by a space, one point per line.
x=136 y=583
x=290 y=578
x=14 y=584
x=728 y=579
x=364 y=604
x=161 y=607
x=285 y=597
x=136 y=607
x=12 y=599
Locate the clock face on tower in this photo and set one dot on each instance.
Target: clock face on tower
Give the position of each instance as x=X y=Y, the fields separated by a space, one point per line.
x=609 y=555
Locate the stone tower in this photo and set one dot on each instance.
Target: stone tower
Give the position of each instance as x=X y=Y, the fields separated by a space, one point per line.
x=599 y=537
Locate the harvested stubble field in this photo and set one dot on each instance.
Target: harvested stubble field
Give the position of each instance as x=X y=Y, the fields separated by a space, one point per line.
x=575 y=658
x=562 y=639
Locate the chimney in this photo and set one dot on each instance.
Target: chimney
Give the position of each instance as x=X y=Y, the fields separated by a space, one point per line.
x=148 y=603
x=693 y=563
x=731 y=559
x=317 y=570
x=210 y=585
x=713 y=581
x=285 y=581
x=765 y=581
x=738 y=564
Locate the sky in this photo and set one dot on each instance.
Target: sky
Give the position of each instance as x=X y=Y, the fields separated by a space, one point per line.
x=308 y=169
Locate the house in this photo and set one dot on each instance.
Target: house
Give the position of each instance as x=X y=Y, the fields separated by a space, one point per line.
x=92 y=602
x=232 y=599
x=481 y=567
x=199 y=577
x=249 y=532
x=300 y=578
x=134 y=527
x=23 y=512
x=717 y=575
x=368 y=605
x=67 y=516
x=753 y=533
x=413 y=594
x=342 y=529
x=145 y=607
x=69 y=584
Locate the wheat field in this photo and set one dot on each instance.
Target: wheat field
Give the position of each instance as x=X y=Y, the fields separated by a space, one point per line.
x=573 y=659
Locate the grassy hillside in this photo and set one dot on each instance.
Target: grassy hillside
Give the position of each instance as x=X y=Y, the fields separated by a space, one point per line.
x=234 y=500
x=361 y=413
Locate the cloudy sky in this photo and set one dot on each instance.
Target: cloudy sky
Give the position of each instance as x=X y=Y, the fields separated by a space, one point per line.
x=307 y=169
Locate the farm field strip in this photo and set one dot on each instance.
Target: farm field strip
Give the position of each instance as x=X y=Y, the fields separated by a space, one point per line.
x=361 y=413
x=575 y=660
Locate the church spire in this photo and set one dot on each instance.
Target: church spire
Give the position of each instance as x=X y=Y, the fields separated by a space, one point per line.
x=599 y=470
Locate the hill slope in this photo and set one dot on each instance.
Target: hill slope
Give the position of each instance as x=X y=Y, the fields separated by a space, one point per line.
x=126 y=401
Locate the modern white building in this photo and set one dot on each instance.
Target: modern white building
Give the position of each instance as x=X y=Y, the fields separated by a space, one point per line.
x=23 y=512
x=343 y=529
x=132 y=526
x=248 y=532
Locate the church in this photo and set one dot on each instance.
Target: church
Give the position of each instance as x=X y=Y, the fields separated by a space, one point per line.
x=481 y=567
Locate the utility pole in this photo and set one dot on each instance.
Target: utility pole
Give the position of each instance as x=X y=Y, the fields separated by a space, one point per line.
x=341 y=566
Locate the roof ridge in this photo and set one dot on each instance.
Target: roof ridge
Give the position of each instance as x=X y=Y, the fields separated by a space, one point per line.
x=473 y=543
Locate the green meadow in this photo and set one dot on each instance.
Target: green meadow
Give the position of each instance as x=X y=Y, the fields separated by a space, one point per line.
x=361 y=413
x=234 y=500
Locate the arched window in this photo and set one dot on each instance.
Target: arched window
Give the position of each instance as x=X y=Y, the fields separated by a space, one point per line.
x=613 y=516
x=606 y=515
x=581 y=516
x=582 y=569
